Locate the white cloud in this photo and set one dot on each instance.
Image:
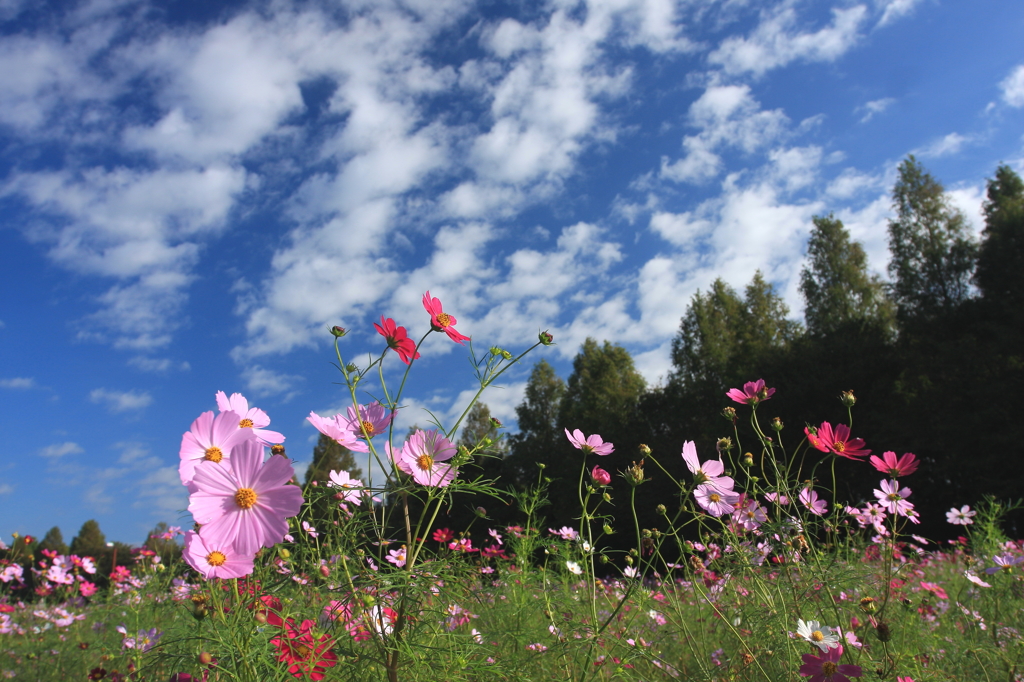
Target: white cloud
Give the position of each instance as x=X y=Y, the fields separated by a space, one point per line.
x=6 y=489
x=121 y=401
x=875 y=106
x=970 y=199
x=895 y=9
x=18 y=383
x=60 y=450
x=851 y=182
x=158 y=365
x=262 y=382
x=775 y=42
x=950 y=144
x=1013 y=87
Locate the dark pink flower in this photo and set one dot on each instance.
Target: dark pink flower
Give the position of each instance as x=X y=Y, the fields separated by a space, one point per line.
x=306 y=654
x=588 y=444
x=837 y=442
x=600 y=476
x=753 y=392
x=888 y=464
x=398 y=339
x=826 y=668
x=441 y=321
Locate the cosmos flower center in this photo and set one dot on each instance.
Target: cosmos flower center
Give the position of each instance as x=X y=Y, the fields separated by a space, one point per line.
x=828 y=668
x=715 y=497
x=444 y=319
x=840 y=446
x=216 y=558
x=302 y=651
x=816 y=636
x=245 y=424
x=893 y=497
x=750 y=514
x=368 y=428
x=699 y=477
x=245 y=498
x=424 y=462
x=213 y=454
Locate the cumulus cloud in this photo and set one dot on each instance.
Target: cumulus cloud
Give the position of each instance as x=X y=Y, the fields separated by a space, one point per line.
x=895 y=9
x=18 y=383
x=60 y=450
x=121 y=401
x=262 y=382
x=1013 y=87
x=873 y=107
x=945 y=146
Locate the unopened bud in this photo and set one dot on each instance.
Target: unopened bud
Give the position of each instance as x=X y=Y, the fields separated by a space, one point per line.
x=277 y=449
x=481 y=512
x=748 y=459
x=604 y=559
x=205 y=658
x=777 y=424
x=629 y=560
x=495 y=351
x=351 y=367
x=661 y=510
x=284 y=553
x=867 y=605
x=646 y=533
x=882 y=630
x=607 y=497
x=496 y=423
x=635 y=473
x=542 y=465
x=545 y=338
x=325 y=571
x=723 y=445
x=199 y=611
x=507 y=355
x=644 y=451
x=338 y=332
x=729 y=413
x=848 y=398
x=608 y=530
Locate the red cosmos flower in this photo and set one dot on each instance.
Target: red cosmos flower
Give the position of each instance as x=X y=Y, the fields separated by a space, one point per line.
x=837 y=442
x=398 y=339
x=307 y=655
x=441 y=321
x=888 y=464
x=443 y=535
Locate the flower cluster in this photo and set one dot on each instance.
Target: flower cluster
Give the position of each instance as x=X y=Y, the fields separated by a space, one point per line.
x=714 y=490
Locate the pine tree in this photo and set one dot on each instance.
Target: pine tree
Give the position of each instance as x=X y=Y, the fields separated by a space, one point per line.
x=53 y=541
x=838 y=291
x=537 y=416
x=933 y=253
x=90 y=540
x=1000 y=273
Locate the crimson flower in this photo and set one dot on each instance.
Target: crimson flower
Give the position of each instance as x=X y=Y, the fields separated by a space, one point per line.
x=753 y=393
x=307 y=655
x=826 y=668
x=398 y=339
x=837 y=442
x=888 y=464
x=440 y=321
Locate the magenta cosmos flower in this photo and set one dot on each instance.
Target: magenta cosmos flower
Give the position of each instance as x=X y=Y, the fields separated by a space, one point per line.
x=424 y=456
x=589 y=444
x=753 y=393
x=837 y=442
x=251 y=417
x=210 y=439
x=218 y=561
x=337 y=429
x=398 y=339
x=372 y=419
x=600 y=476
x=245 y=503
x=441 y=321
x=826 y=668
x=888 y=464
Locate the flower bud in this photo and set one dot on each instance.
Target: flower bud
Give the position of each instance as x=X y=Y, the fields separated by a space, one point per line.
x=496 y=423
x=199 y=611
x=325 y=571
x=635 y=473
x=351 y=367
x=608 y=530
x=730 y=414
x=777 y=424
x=338 y=332
x=495 y=351
x=607 y=497
x=545 y=338
x=867 y=605
x=205 y=658
x=600 y=476
x=507 y=355
x=542 y=465
x=277 y=450
x=661 y=510
x=723 y=445
x=644 y=451
x=604 y=559
x=847 y=398
x=284 y=553
x=883 y=633
x=629 y=560
x=481 y=512
x=748 y=459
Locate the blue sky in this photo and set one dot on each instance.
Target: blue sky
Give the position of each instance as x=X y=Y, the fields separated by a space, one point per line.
x=191 y=192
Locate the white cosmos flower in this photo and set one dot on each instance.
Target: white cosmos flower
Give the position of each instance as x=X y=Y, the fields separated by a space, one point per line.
x=574 y=568
x=817 y=634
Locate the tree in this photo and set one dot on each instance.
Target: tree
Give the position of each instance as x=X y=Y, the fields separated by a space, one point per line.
x=1000 y=273
x=537 y=416
x=330 y=455
x=90 y=540
x=54 y=541
x=933 y=253
x=838 y=290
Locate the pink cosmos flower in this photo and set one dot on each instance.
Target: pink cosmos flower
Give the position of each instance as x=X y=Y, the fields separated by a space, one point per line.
x=443 y=535
x=215 y=560
x=888 y=464
x=964 y=516
x=600 y=476
x=809 y=498
x=1004 y=562
x=837 y=442
x=424 y=456
x=975 y=579
x=750 y=515
x=440 y=321
x=894 y=498
x=372 y=420
x=826 y=668
x=565 y=532
x=342 y=479
x=337 y=430
x=245 y=503
x=251 y=417
x=589 y=444
x=398 y=339
x=714 y=500
x=710 y=472
x=86 y=588
x=397 y=556
x=753 y=393
x=935 y=589
x=211 y=439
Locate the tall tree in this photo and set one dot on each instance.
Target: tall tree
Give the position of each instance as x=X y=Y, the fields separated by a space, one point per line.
x=1000 y=273
x=537 y=417
x=838 y=291
x=330 y=455
x=54 y=541
x=933 y=252
x=90 y=540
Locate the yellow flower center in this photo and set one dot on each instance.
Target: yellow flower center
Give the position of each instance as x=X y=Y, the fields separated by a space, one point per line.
x=840 y=446
x=892 y=497
x=828 y=669
x=245 y=498
x=750 y=514
x=302 y=651
x=368 y=428
x=245 y=424
x=444 y=319
x=213 y=454
x=816 y=636
x=216 y=558
x=424 y=462
x=715 y=497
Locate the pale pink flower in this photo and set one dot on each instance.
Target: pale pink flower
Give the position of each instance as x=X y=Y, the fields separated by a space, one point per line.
x=710 y=472
x=888 y=464
x=964 y=516
x=894 y=498
x=251 y=417
x=750 y=515
x=335 y=429
x=753 y=393
x=1004 y=562
x=589 y=444
x=215 y=560
x=310 y=530
x=425 y=457
x=714 y=500
x=374 y=419
x=565 y=532
x=210 y=439
x=975 y=579
x=809 y=498
x=397 y=556
x=440 y=321
x=246 y=502
x=348 y=486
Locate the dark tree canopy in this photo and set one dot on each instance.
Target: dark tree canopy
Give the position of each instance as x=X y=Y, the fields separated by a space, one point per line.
x=537 y=416
x=1000 y=272
x=54 y=541
x=90 y=540
x=330 y=455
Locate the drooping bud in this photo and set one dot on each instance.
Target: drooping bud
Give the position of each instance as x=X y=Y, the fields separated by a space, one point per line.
x=883 y=632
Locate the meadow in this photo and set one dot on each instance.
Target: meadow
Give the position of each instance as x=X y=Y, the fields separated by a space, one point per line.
x=754 y=570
